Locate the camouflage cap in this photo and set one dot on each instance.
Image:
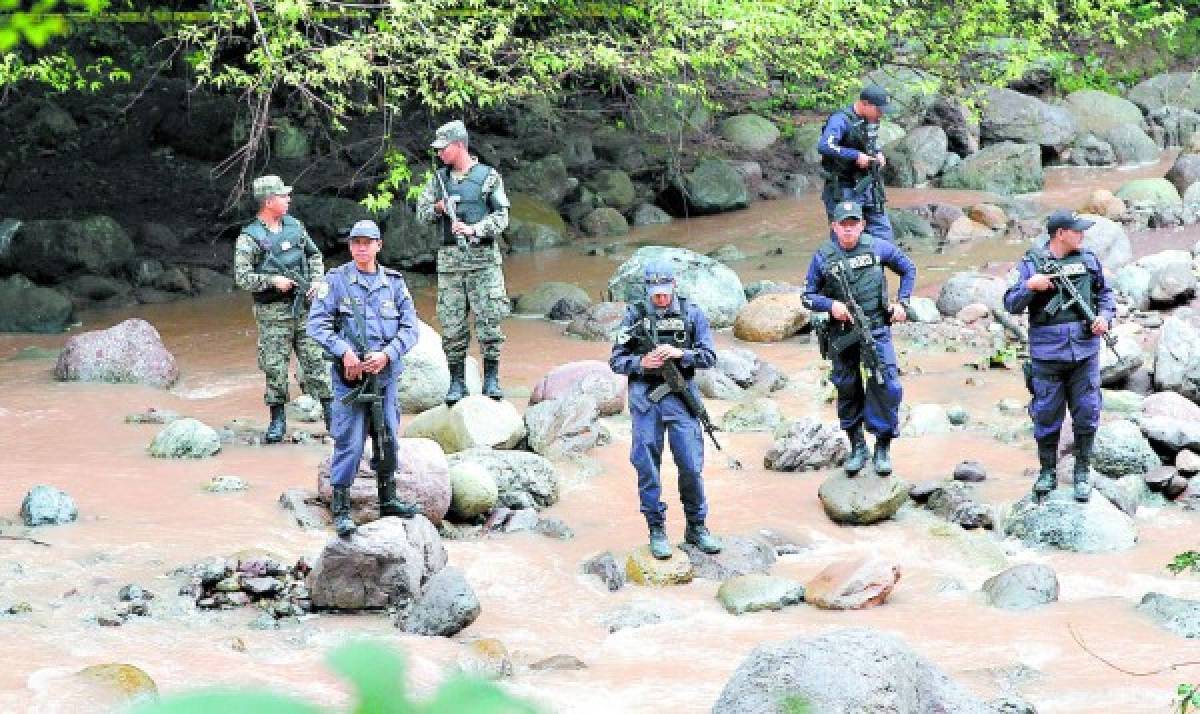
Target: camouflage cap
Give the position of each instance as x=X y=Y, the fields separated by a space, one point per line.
x=847 y=209
x=365 y=229
x=265 y=186
x=449 y=133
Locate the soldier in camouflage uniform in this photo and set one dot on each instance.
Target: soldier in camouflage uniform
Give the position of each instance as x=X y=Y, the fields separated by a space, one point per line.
x=281 y=266
x=466 y=200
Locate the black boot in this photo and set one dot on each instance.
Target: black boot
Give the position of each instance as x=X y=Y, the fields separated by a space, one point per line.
x=458 y=387
x=1047 y=448
x=882 y=459
x=660 y=547
x=340 y=507
x=858 y=451
x=697 y=534
x=1083 y=466
x=327 y=412
x=491 y=379
x=278 y=426
x=389 y=505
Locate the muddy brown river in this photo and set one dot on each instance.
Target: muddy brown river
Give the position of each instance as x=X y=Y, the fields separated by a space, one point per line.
x=142 y=517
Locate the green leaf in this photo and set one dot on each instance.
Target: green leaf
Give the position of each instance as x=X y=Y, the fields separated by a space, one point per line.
x=377 y=673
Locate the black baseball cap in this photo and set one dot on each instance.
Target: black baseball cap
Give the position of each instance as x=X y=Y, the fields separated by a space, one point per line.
x=1067 y=219
x=874 y=94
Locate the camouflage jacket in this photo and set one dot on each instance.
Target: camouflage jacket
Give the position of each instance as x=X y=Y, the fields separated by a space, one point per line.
x=452 y=258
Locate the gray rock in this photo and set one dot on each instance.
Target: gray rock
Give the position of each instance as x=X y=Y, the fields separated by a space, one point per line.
x=1181 y=89
x=25 y=307
x=967 y=288
x=962 y=132
x=605 y=567
x=47 y=506
x=1172 y=613
x=852 y=670
x=1096 y=111
x=862 y=501
x=421 y=479
x=226 y=484
x=599 y=323
x=445 y=607
x=384 y=563
x=592 y=377
x=748 y=131
x=51 y=250
x=614 y=189
x=1130 y=144
x=632 y=615
x=970 y=471
x=740 y=555
x=1060 y=522
x=295 y=500
x=709 y=285
x=473 y=421
x=130 y=352
x=1125 y=493
x=1090 y=150
x=713 y=186
x=185 y=439
x=1177 y=358
x=715 y=384
x=911 y=230
x=956 y=503
x=1160 y=278
x=604 y=222
x=1022 y=587
x=916 y=158
x=1178 y=124
x=757 y=592
x=1109 y=241
x=524 y=480
x=1184 y=172
x=473 y=491
x=1171 y=434
x=540 y=299
x=759 y=414
x=1116 y=368
x=647 y=214
x=1006 y=168
x=1158 y=194
x=545 y=179
x=1012 y=116
x=1120 y=450
x=305 y=409
x=807 y=445
x=564 y=426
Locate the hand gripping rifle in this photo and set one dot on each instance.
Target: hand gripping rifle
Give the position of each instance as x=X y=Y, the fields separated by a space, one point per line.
x=370 y=393
x=858 y=331
x=872 y=181
x=1068 y=296
x=449 y=203
x=299 y=291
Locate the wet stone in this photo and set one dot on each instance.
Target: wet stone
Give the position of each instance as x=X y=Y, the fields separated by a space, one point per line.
x=970 y=471
x=261 y=587
x=486 y=658
x=560 y=661
x=152 y=416
x=265 y=621
x=642 y=568
x=445 y=607
x=863 y=499
x=46 y=505
x=605 y=567
x=133 y=592
x=554 y=528
x=1022 y=587
x=740 y=555
x=300 y=503
x=1172 y=613
x=1061 y=522
x=853 y=585
x=756 y=592
x=225 y=484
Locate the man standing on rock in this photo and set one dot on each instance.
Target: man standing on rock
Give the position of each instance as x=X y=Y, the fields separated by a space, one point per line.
x=1064 y=345
x=864 y=360
x=282 y=268
x=466 y=200
x=665 y=328
x=853 y=162
x=366 y=321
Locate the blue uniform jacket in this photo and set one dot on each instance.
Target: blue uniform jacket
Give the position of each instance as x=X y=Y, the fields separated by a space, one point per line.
x=1071 y=341
x=830 y=143
x=888 y=254
x=624 y=360
x=388 y=311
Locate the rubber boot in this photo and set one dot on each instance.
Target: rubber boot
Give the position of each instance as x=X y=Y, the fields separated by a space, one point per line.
x=491 y=379
x=278 y=426
x=458 y=387
x=327 y=413
x=697 y=534
x=340 y=507
x=881 y=460
x=858 y=451
x=389 y=505
x=660 y=547
x=1083 y=466
x=1047 y=459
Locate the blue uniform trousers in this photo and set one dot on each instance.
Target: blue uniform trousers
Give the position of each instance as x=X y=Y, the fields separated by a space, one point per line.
x=873 y=404
x=669 y=416
x=878 y=223
x=1059 y=384
x=350 y=427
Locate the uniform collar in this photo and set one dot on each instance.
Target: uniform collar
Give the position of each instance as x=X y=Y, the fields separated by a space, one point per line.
x=381 y=276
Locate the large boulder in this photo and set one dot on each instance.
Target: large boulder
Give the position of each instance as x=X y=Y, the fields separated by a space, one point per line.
x=1179 y=89
x=1012 y=116
x=545 y=179
x=713 y=186
x=748 y=131
x=1158 y=193
x=916 y=158
x=407 y=242
x=25 y=307
x=185 y=439
x=1169 y=433
x=1109 y=241
x=446 y=606
x=1095 y=111
x=523 y=480
x=1122 y=450
x=540 y=299
x=1184 y=172
x=709 y=285
x=807 y=445
x=740 y=555
x=45 y=505
x=599 y=323
x=1173 y=613
x=421 y=478
x=1006 y=168
x=1178 y=125
x=1160 y=278
x=853 y=584
x=1061 y=522
x=1131 y=144
x=968 y=288
x=962 y=131
x=425 y=378
x=771 y=318
x=757 y=592
x=52 y=250
x=604 y=222
x=473 y=421
x=1090 y=150
x=1177 y=358
x=591 y=377
x=328 y=220
x=644 y=569
x=758 y=414
x=130 y=352
x=1129 y=358
x=533 y=225
x=614 y=188
x=1022 y=587
x=843 y=671
x=473 y=490
x=862 y=501
x=561 y=427
x=384 y=563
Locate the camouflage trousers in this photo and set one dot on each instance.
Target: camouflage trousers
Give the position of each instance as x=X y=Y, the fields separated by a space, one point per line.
x=481 y=292
x=278 y=335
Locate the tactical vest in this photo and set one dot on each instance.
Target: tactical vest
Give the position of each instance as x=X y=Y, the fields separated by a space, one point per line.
x=471 y=206
x=1075 y=267
x=861 y=136
x=282 y=251
x=670 y=329
x=864 y=272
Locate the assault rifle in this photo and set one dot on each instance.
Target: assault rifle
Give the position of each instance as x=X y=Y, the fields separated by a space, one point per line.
x=872 y=182
x=1068 y=296
x=449 y=203
x=368 y=391
x=299 y=291
x=858 y=331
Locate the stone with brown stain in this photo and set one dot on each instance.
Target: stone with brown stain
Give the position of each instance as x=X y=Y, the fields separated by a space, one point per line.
x=644 y=569
x=771 y=318
x=853 y=585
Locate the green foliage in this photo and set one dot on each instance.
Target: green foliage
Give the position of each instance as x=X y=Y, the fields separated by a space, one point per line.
x=1187 y=560
x=37 y=24
x=377 y=676
x=60 y=72
x=398 y=176
x=1189 y=698
x=796 y=704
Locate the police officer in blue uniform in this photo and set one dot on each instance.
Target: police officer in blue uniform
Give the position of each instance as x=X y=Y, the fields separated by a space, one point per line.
x=861 y=257
x=1064 y=346
x=660 y=328
x=849 y=144
x=363 y=293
